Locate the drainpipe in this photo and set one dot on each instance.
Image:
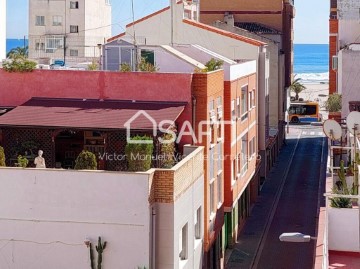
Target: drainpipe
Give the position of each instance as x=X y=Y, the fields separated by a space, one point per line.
x=153 y=238
x=193 y=117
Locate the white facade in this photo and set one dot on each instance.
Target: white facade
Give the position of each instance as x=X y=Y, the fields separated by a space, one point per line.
x=73 y=28
x=348 y=53
x=2 y=29
x=348 y=76
x=47 y=214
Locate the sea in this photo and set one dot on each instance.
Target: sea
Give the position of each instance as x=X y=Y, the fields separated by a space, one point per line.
x=311 y=63
x=14 y=43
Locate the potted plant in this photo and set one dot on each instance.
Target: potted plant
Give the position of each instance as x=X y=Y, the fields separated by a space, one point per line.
x=333 y=106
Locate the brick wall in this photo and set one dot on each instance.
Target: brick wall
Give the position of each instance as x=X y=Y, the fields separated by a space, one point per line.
x=333 y=49
x=167 y=185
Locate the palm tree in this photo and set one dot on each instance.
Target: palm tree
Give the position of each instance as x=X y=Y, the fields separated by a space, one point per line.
x=18 y=52
x=297 y=87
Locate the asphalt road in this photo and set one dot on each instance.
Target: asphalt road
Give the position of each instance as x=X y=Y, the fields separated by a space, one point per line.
x=289 y=202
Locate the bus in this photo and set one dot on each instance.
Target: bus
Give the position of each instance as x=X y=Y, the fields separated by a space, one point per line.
x=304 y=112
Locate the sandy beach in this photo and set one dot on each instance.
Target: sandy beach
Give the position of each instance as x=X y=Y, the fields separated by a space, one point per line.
x=318 y=93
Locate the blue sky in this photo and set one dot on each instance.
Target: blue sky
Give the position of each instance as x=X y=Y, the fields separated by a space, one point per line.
x=311 y=22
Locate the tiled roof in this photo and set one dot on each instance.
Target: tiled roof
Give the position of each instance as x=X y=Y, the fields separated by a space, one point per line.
x=90 y=114
x=256 y=28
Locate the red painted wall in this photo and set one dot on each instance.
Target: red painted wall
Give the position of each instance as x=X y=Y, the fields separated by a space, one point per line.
x=17 y=88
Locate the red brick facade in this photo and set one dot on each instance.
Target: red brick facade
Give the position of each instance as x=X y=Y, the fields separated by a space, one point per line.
x=333 y=49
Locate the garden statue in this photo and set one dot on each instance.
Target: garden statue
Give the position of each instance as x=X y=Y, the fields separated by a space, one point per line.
x=39 y=160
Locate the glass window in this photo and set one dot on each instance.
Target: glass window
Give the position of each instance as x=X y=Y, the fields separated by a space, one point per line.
x=57 y=20
x=40 y=20
x=212 y=198
x=198 y=223
x=74 y=4
x=53 y=43
x=74 y=53
x=74 y=29
x=233 y=112
x=244 y=154
x=310 y=110
x=244 y=102
x=219 y=188
x=238 y=111
x=183 y=241
x=211 y=161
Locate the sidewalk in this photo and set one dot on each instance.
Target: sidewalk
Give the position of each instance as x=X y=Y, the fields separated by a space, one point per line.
x=243 y=254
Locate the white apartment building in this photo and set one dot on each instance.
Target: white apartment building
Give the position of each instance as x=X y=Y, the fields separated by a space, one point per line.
x=2 y=29
x=72 y=31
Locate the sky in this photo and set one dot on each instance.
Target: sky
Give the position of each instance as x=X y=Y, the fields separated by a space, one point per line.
x=311 y=21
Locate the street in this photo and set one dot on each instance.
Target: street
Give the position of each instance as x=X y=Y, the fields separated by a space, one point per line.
x=289 y=202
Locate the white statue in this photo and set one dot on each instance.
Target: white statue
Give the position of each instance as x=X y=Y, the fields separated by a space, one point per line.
x=39 y=160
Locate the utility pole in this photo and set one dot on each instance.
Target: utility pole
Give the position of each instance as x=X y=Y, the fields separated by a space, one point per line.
x=135 y=65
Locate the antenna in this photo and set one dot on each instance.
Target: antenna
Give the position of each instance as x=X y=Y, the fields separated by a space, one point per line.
x=332 y=129
x=353 y=123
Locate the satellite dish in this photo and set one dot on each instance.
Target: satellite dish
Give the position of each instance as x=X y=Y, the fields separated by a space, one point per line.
x=353 y=123
x=332 y=129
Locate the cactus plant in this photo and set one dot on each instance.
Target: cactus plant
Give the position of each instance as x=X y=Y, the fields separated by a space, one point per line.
x=2 y=156
x=100 y=249
x=91 y=250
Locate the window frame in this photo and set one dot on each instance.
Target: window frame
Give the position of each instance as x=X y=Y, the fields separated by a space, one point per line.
x=39 y=20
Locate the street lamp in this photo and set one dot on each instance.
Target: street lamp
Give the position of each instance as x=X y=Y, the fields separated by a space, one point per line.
x=295 y=237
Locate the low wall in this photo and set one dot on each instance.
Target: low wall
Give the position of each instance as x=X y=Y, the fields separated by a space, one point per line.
x=47 y=214
x=343 y=229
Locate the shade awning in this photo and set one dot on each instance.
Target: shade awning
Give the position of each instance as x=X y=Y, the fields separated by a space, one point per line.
x=92 y=114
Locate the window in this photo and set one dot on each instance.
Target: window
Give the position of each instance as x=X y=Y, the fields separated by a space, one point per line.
x=244 y=102
x=219 y=130
x=39 y=45
x=244 y=154
x=238 y=111
x=253 y=103
x=233 y=112
x=252 y=149
x=211 y=105
x=183 y=241
x=74 y=53
x=234 y=169
x=57 y=20
x=211 y=161
x=212 y=198
x=40 y=20
x=74 y=4
x=239 y=166
x=219 y=188
x=198 y=223
x=219 y=101
x=212 y=134
x=220 y=157
x=53 y=43
x=149 y=56
x=74 y=29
